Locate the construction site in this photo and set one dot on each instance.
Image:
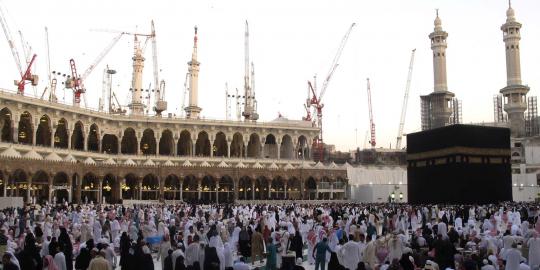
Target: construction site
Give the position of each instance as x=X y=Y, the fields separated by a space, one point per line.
x=174 y=154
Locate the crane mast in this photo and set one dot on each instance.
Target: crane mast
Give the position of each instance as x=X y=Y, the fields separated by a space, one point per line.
x=250 y=111
x=405 y=100
x=10 y=41
x=316 y=100
x=371 y=122
x=161 y=105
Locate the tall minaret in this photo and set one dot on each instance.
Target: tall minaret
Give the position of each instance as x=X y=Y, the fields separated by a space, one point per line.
x=193 y=110
x=250 y=111
x=514 y=93
x=441 y=97
x=137 y=106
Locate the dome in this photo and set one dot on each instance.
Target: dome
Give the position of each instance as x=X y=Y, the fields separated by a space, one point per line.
x=187 y=164
x=510 y=13
x=168 y=163
x=205 y=164
x=11 y=153
x=130 y=162
x=222 y=164
x=109 y=161
x=89 y=161
x=53 y=157
x=70 y=158
x=273 y=166
x=33 y=155
x=241 y=165
x=149 y=162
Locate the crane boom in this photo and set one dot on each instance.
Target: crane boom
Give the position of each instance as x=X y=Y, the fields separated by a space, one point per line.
x=335 y=61
x=11 y=42
x=405 y=100
x=371 y=122
x=101 y=56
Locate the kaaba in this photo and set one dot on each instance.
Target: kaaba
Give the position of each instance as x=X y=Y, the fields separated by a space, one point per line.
x=459 y=164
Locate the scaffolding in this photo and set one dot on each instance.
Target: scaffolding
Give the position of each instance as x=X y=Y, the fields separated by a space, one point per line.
x=425 y=106
x=531 y=117
x=498 y=113
x=455 y=117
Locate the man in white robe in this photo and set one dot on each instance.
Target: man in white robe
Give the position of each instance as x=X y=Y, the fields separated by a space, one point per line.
x=350 y=253
x=534 y=251
x=513 y=258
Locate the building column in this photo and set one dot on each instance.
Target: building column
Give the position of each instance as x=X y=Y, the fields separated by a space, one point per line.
x=14 y=132
x=285 y=191
x=269 y=190
x=181 y=190
x=34 y=137
x=161 y=194
x=199 y=188
x=120 y=182
x=278 y=150
x=228 y=149
x=174 y=151
x=100 y=189
x=253 y=190
x=139 y=152
x=69 y=139
x=100 y=144
x=331 y=191
x=261 y=154
x=212 y=147
x=52 y=138
x=78 y=189
x=302 y=189
x=217 y=192
x=85 y=139
x=28 y=192
x=235 y=189
x=139 y=193
x=193 y=148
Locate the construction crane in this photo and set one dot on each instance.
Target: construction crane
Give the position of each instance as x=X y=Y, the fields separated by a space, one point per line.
x=372 y=141
x=26 y=75
x=228 y=101
x=161 y=104
x=405 y=100
x=76 y=82
x=314 y=100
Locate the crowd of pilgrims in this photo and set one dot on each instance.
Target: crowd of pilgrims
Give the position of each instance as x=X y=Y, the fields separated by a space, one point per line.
x=239 y=237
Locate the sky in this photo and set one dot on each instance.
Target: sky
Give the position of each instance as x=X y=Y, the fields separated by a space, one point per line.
x=290 y=42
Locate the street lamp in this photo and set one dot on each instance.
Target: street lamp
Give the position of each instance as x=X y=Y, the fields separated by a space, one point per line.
x=392 y=196
x=400 y=196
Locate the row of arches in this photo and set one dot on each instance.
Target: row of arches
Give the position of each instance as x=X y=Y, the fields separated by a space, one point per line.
x=60 y=187
x=128 y=142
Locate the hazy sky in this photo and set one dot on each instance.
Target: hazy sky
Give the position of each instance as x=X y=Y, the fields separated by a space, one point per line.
x=290 y=42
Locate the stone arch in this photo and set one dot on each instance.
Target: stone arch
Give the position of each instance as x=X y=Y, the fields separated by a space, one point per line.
x=261 y=188
x=277 y=190
x=148 y=142
x=208 y=189
x=150 y=187
x=40 y=186
x=109 y=144
x=77 y=138
x=171 y=189
x=6 y=125
x=130 y=187
x=26 y=129
x=226 y=189
x=286 y=149
x=220 y=145
x=244 y=188
x=17 y=178
x=129 y=142
x=237 y=145
x=270 y=147
x=202 y=146
x=110 y=189
x=185 y=144
x=254 y=146
x=61 y=134
x=166 y=143
x=294 y=189
x=302 y=147
x=43 y=133
x=311 y=188
x=60 y=195
x=89 y=188
x=93 y=138
x=191 y=189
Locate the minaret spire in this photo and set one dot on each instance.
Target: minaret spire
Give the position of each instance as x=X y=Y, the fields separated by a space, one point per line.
x=440 y=97
x=193 y=110
x=515 y=92
x=137 y=106
x=249 y=113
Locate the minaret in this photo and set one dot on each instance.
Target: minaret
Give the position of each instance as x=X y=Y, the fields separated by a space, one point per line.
x=193 y=110
x=515 y=92
x=441 y=97
x=250 y=112
x=136 y=106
